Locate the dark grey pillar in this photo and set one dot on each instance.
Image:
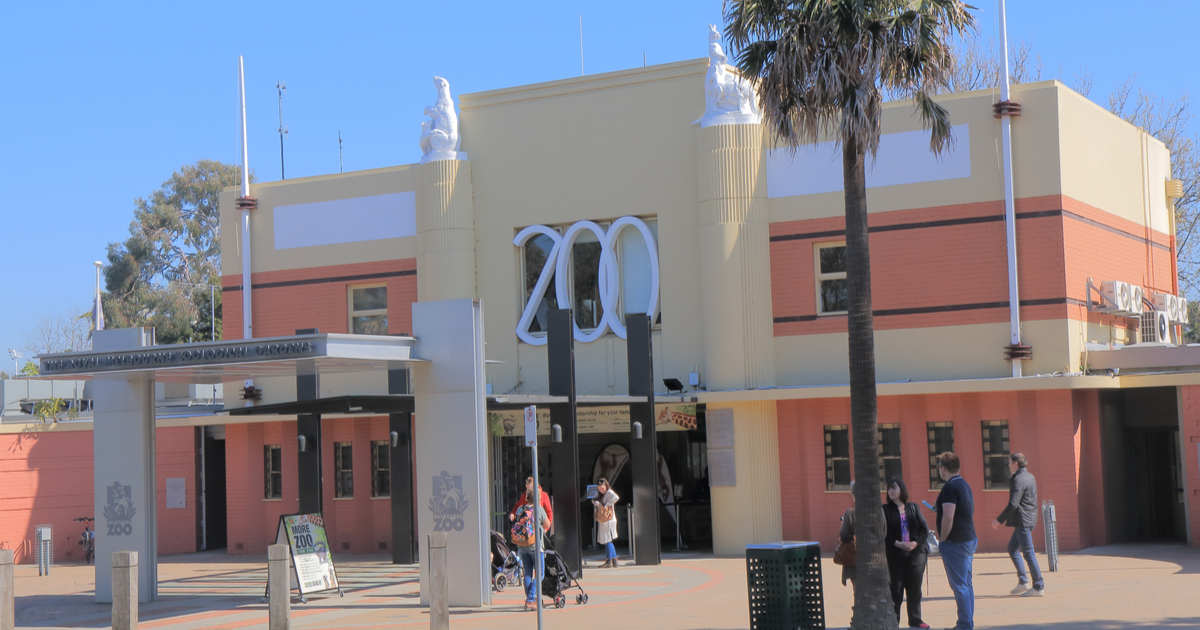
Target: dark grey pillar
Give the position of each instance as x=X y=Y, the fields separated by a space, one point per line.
x=564 y=456
x=308 y=425
x=403 y=545
x=643 y=452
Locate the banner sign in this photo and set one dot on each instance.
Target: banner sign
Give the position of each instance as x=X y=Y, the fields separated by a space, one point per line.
x=312 y=561
x=594 y=420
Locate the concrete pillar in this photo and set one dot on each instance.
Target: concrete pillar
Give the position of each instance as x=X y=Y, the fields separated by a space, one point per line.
x=749 y=512
x=125 y=590
x=439 y=584
x=735 y=258
x=7 y=595
x=123 y=444
x=279 y=574
x=739 y=336
x=445 y=231
x=451 y=442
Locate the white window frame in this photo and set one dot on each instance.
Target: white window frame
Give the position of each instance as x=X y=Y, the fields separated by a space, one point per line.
x=840 y=275
x=351 y=313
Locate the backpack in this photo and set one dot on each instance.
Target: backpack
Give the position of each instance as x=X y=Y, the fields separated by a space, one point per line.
x=523 y=528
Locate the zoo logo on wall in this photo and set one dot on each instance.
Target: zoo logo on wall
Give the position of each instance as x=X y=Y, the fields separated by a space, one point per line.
x=119 y=510
x=448 y=503
x=609 y=284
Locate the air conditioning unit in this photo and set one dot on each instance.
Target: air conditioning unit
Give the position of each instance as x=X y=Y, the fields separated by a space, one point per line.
x=1176 y=308
x=1117 y=294
x=1155 y=327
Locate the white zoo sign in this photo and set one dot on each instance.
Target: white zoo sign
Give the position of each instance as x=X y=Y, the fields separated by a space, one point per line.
x=558 y=261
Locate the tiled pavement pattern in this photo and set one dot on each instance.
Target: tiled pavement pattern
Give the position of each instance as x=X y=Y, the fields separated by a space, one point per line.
x=1111 y=588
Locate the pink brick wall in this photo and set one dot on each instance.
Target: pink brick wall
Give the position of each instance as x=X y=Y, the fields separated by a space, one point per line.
x=47 y=479
x=1189 y=437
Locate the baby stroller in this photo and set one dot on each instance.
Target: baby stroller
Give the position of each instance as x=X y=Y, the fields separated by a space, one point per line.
x=506 y=567
x=558 y=580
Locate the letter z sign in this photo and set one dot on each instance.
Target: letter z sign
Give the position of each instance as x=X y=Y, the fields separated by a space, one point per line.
x=557 y=264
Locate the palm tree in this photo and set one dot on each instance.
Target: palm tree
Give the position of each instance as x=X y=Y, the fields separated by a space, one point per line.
x=820 y=67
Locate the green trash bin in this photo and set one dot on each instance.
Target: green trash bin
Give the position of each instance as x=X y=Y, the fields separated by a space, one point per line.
x=784 y=584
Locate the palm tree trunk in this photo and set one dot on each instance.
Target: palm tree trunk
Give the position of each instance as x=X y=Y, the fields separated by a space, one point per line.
x=872 y=598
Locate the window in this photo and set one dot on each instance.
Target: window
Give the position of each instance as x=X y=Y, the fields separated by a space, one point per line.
x=272 y=471
x=381 y=469
x=343 y=470
x=995 y=454
x=831 y=278
x=837 y=457
x=368 y=310
x=889 y=453
x=535 y=257
x=941 y=439
x=585 y=280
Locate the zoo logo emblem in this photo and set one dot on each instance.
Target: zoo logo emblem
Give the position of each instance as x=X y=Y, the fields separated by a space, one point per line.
x=448 y=503
x=119 y=510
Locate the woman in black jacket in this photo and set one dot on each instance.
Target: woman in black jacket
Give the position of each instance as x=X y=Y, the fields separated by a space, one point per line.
x=906 y=549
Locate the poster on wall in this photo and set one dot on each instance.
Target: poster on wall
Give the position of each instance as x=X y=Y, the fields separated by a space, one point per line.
x=312 y=561
x=613 y=419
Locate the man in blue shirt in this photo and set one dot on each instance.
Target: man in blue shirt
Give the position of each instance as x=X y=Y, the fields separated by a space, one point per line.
x=956 y=528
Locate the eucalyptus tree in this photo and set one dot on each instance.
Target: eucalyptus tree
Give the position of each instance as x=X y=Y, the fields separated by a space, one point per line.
x=821 y=68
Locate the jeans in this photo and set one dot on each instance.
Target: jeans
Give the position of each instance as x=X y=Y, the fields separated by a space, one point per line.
x=526 y=554
x=957 y=558
x=1020 y=544
x=610 y=552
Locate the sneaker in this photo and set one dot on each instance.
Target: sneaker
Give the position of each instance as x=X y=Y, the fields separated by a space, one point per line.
x=1021 y=587
x=920 y=625
x=1034 y=592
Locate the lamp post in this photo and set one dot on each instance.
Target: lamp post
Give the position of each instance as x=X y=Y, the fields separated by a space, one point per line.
x=98 y=311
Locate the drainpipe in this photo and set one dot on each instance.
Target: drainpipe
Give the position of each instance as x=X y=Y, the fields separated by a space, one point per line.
x=1005 y=110
x=245 y=203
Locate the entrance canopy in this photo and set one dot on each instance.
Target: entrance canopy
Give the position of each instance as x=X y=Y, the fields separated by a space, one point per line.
x=234 y=360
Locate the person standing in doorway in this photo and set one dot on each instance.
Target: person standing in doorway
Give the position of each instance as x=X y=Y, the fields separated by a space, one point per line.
x=956 y=527
x=1021 y=515
x=606 y=521
x=546 y=505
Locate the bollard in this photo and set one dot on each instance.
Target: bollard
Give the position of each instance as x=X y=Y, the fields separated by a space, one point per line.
x=439 y=584
x=125 y=590
x=7 y=597
x=280 y=587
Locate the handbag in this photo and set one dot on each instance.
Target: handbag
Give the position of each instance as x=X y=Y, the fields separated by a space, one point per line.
x=846 y=554
x=931 y=542
x=603 y=513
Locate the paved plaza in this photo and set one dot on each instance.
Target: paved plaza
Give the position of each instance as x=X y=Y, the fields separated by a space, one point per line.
x=1106 y=588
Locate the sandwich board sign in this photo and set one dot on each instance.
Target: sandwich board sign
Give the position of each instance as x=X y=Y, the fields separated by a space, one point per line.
x=312 y=560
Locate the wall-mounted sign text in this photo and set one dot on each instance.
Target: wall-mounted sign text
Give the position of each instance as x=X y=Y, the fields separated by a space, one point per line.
x=557 y=267
x=166 y=357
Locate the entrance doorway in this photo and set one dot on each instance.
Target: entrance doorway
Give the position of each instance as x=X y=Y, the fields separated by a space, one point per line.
x=215 y=524
x=1156 y=479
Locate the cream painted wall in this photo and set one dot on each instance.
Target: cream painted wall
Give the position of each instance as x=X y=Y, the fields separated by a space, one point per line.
x=926 y=354
x=750 y=512
x=1035 y=163
x=589 y=148
x=1109 y=164
x=308 y=190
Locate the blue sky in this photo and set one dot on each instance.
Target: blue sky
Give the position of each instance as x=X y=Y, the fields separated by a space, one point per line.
x=104 y=101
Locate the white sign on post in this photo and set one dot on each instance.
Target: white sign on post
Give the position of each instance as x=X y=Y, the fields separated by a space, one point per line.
x=531 y=426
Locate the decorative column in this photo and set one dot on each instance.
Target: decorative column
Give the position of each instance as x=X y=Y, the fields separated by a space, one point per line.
x=445 y=207
x=739 y=336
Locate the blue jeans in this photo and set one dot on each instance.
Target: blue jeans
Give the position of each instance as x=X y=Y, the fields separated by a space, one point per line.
x=526 y=554
x=610 y=552
x=957 y=558
x=1020 y=544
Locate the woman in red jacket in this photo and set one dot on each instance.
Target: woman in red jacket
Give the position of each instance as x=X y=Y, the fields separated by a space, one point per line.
x=512 y=514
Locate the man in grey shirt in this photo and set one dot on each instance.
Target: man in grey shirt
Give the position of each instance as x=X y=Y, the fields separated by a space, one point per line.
x=1021 y=515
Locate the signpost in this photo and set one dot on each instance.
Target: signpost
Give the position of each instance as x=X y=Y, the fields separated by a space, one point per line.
x=531 y=441
x=312 y=560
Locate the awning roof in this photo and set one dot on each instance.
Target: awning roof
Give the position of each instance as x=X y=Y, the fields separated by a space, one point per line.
x=235 y=360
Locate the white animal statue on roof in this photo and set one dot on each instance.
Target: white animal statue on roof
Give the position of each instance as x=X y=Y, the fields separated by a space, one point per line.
x=728 y=98
x=439 y=134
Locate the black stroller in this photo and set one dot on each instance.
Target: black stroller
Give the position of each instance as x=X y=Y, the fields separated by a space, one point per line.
x=506 y=566
x=558 y=580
